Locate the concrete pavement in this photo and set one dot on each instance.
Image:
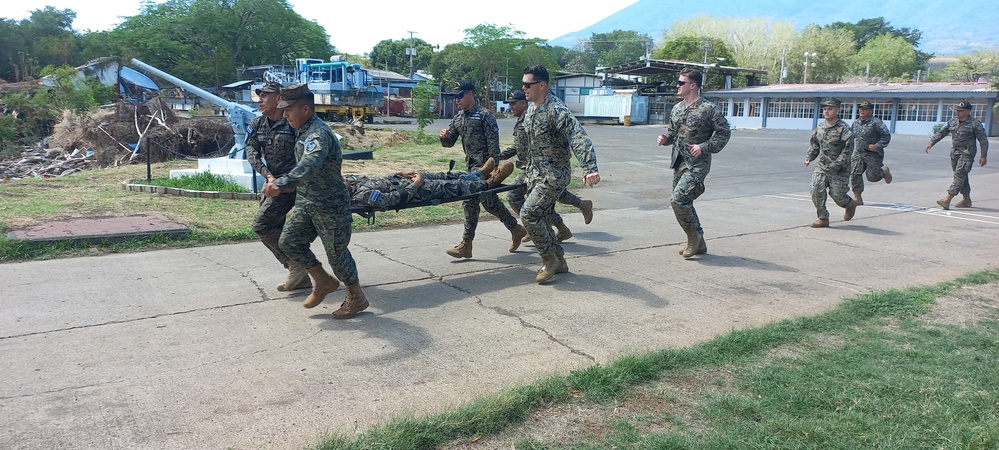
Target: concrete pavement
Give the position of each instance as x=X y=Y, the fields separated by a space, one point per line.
x=195 y=348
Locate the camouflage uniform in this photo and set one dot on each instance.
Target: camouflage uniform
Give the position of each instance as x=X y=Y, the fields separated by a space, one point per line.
x=400 y=190
x=270 y=149
x=517 y=196
x=865 y=133
x=480 y=140
x=963 y=150
x=551 y=132
x=323 y=204
x=832 y=144
x=703 y=123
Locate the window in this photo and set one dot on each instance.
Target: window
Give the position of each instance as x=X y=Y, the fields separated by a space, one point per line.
x=846 y=111
x=917 y=110
x=794 y=108
x=882 y=110
x=739 y=109
x=754 y=108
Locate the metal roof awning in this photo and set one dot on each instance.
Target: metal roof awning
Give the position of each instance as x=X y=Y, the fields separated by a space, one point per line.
x=883 y=90
x=662 y=67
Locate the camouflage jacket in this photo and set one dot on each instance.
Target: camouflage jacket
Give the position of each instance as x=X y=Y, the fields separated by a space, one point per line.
x=832 y=144
x=316 y=177
x=270 y=147
x=551 y=132
x=700 y=123
x=479 y=135
x=871 y=131
x=964 y=134
x=519 y=147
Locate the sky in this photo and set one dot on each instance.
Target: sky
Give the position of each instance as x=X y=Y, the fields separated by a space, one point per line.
x=357 y=30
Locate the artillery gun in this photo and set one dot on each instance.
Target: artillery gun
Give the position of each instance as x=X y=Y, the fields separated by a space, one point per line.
x=239 y=115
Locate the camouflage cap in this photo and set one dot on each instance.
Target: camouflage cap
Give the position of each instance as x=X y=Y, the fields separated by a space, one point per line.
x=462 y=86
x=293 y=94
x=865 y=104
x=964 y=105
x=830 y=102
x=516 y=95
x=270 y=86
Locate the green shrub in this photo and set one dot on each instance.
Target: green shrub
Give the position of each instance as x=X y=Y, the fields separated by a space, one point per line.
x=202 y=181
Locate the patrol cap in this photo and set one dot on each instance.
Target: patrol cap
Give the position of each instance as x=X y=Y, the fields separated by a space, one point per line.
x=830 y=102
x=293 y=94
x=270 y=86
x=865 y=104
x=462 y=86
x=964 y=105
x=516 y=95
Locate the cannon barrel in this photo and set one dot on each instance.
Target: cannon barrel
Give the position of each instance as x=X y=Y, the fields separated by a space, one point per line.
x=188 y=86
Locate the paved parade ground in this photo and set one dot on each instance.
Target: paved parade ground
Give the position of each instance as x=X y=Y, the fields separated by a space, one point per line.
x=195 y=348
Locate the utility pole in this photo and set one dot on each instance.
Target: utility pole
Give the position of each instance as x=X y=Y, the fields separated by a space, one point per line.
x=783 y=69
x=804 y=77
x=706 y=46
x=411 y=51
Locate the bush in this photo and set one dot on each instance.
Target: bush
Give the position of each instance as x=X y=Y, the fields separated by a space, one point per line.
x=938 y=127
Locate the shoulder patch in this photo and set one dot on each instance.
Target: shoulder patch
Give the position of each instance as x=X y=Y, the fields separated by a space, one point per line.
x=249 y=129
x=311 y=145
x=491 y=123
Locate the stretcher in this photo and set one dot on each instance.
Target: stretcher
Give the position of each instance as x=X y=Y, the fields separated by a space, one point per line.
x=368 y=211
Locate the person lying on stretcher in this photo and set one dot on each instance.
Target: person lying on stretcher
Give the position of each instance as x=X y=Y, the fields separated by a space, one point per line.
x=409 y=186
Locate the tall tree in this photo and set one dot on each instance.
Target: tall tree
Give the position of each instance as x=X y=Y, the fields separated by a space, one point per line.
x=698 y=49
x=755 y=42
x=887 y=57
x=832 y=49
x=45 y=38
x=974 y=66
x=209 y=40
x=391 y=55
x=866 y=30
x=609 y=49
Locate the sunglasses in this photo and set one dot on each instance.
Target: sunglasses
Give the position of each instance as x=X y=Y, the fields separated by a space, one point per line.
x=459 y=96
x=681 y=82
x=528 y=84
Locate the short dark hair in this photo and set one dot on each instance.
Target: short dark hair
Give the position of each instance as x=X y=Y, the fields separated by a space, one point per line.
x=539 y=72
x=693 y=75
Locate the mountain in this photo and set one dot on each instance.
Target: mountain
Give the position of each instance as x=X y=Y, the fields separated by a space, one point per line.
x=948 y=28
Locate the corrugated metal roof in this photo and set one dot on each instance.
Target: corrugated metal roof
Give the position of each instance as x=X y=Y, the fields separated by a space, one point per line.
x=387 y=75
x=975 y=90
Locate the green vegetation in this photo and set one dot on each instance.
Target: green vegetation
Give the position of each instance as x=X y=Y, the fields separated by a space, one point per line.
x=202 y=181
x=879 y=371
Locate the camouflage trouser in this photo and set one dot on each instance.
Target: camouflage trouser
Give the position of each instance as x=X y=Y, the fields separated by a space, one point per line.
x=837 y=183
x=331 y=223
x=961 y=163
x=686 y=188
x=516 y=198
x=869 y=163
x=539 y=207
x=492 y=204
x=269 y=221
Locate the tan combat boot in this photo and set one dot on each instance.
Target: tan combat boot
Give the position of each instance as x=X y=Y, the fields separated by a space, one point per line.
x=965 y=202
x=820 y=223
x=945 y=202
x=298 y=278
x=586 y=207
x=323 y=283
x=851 y=209
x=695 y=242
x=504 y=170
x=563 y=232
x=354 y=303
x=462 y=250
x=488 y=167
x=517 y=235
x=550 y=265
x=859 y=198
x=887 y=174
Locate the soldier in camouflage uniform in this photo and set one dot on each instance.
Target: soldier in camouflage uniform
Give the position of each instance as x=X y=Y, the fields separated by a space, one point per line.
x=964 y=131
x=270 y=149
x=832 y=143
x=476 y=126
x=322 y=206
x=696 y=129
x=871 y=136
x=551 y=134
x=416 y=187
x=516 y=197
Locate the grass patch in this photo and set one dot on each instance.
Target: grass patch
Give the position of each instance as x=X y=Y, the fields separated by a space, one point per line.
x=201 y=181
x=872 y=373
